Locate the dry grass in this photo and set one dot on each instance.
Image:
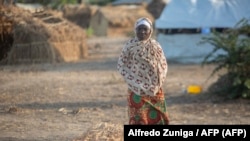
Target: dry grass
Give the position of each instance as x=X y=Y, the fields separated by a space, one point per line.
x=103 y=132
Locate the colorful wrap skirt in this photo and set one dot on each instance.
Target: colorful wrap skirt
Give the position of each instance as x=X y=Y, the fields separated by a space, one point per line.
x=147 y=110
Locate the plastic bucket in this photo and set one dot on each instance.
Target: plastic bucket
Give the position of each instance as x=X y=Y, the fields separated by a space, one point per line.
x=194 y=89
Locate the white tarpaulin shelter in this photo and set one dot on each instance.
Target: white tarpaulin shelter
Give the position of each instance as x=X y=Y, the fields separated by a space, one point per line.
x=203 y=13
x=197 y=14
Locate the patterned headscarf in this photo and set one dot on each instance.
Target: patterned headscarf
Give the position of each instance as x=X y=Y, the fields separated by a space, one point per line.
x=143 y=64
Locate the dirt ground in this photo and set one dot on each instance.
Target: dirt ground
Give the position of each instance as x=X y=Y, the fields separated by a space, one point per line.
x=61 y=102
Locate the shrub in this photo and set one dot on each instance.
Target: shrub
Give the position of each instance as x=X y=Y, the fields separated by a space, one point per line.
x=236 y=60
x=89 y=31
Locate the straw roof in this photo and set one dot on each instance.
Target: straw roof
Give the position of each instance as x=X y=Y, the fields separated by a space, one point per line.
x=43 y=36
x=125 y=16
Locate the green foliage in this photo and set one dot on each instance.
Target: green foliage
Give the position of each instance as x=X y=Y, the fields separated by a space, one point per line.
x=90 y=32
x=236 y=43
x=57 y=3
x=100 y=2
x=46 y=2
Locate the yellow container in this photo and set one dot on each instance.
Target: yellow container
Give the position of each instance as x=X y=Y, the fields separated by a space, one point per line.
x=194 y=89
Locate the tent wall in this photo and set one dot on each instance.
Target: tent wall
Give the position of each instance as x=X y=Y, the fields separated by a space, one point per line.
x=185 y=48
x=196 y=14
x=203 y=13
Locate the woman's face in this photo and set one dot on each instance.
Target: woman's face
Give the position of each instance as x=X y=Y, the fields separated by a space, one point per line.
x=142 y=32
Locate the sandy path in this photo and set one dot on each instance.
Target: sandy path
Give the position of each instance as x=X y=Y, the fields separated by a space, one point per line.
x=60 y=102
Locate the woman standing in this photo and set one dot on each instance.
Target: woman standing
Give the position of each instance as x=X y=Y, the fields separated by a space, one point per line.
x=143 y=66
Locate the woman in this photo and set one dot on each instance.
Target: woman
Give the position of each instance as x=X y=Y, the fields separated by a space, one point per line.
x=143 y=66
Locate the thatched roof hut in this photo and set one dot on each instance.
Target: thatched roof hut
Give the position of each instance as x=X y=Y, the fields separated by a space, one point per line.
x=117 y=20
x=155 y=7
x=39 y=37
x=109 y=20
x=79 y=14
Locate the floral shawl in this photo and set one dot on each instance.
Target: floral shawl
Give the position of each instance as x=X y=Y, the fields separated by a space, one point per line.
x=143 y=66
